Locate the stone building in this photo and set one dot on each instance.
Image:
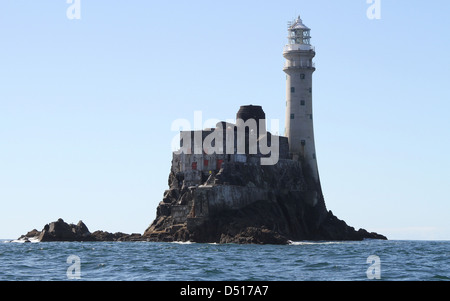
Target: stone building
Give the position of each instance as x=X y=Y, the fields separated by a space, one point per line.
x=201 y=157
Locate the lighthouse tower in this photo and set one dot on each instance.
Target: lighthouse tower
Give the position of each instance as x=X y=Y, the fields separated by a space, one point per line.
x=299 y=69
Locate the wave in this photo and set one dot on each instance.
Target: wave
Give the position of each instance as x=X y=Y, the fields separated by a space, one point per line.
x=301 y=243
x=182 y=242
x=21 y=241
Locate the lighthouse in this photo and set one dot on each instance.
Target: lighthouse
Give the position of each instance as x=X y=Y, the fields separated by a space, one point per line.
x=299 y=68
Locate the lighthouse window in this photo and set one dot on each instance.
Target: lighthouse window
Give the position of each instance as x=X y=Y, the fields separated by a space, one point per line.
x=302 y=102
x=292 y=89
x=302 y=76
x=292 y=116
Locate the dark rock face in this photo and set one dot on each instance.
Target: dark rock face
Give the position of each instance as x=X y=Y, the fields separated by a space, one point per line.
x=336 y=229
x=246 y=203
x=62 y=231
x=118 y=236
x=254 y=235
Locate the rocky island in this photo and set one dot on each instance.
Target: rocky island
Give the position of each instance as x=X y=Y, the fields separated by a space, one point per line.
x=239 y=183
x=230 y=198
x=234 y=198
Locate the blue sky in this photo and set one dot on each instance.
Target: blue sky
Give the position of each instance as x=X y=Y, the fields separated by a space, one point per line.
x=86 y=106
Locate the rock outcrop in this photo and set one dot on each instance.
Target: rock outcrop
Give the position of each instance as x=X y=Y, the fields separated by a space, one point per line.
x=249 y=203
x=62 y=231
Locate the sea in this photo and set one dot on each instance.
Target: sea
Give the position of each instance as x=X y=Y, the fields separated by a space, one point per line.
x=368 y=260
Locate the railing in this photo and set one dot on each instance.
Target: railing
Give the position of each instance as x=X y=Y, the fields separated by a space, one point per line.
x=292 y=47
x=301 y=64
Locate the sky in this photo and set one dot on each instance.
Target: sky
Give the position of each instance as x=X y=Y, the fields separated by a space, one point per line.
x=87 y=104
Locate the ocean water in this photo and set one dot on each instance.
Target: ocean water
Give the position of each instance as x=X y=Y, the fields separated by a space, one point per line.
x=325 y=261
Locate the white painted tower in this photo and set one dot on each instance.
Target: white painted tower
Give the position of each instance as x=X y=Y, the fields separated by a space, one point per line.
x=299 y=69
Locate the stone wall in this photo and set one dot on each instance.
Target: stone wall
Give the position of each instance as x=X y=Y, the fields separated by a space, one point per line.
x=226 y=197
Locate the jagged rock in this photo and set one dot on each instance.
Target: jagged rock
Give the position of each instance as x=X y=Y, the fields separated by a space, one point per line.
x=33 y=234
x=130 y=237
x=336 y=229
x=118 y=236
x=62 y=231
x=103 y=236
x=81 y=230
x=253 y=235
